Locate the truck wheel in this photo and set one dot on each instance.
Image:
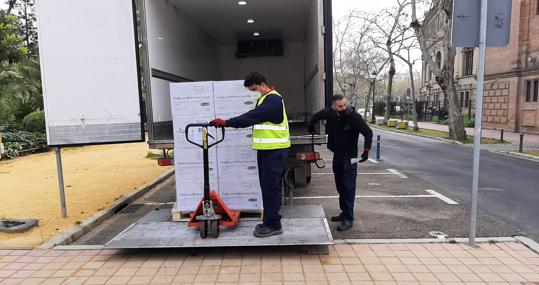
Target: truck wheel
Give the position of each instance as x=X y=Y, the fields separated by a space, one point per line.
x=203 y=228
x=308 y=179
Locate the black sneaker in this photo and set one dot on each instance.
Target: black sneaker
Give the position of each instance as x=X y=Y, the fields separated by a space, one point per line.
x=336 y=218
x=263 y=231
x=345 y=225
x=259 y=225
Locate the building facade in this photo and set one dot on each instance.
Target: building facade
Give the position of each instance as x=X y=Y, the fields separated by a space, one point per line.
x=511 y=91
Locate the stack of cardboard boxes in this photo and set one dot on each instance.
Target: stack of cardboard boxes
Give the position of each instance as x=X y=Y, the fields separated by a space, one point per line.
x=233 y=164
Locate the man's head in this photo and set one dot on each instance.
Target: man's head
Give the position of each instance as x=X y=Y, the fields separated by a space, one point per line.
x=340 y=103
x=256 y=82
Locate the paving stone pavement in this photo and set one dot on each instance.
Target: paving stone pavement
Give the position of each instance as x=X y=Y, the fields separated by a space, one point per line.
x=427 y=263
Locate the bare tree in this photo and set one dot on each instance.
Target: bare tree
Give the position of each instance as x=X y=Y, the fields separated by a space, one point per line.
x=408 y=44
x=348 y=53
x=355 y=57
x=10 y=5
x=388 y=38
x=442 y=11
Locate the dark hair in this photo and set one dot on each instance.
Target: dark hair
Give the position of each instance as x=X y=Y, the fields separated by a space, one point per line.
x=254 y=78
x=337 y=97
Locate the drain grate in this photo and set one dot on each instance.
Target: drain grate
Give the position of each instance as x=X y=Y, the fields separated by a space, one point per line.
x=131 y=209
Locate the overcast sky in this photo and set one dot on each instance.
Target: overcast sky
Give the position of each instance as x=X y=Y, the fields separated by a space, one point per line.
x=340 y=7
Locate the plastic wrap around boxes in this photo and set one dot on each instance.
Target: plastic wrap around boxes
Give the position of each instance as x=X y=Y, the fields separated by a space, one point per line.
x=233 y=164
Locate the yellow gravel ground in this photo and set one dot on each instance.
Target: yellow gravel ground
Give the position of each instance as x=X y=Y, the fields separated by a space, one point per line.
x=95 y=176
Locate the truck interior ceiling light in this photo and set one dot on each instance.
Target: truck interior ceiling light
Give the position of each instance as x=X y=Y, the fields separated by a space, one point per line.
x=256 y=34
x=250 y=21
x=242 y=3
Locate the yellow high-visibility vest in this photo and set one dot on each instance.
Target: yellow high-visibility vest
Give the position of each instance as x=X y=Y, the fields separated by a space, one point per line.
x=267 y=135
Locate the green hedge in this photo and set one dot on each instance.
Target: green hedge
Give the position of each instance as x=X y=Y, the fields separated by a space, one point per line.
x=17 y=143
x=34 y=122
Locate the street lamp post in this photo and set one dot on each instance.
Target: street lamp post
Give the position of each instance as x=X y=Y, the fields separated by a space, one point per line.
x=373 y=77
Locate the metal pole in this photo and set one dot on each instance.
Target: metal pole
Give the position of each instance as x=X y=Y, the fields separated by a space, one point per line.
x=378 y=147
x=521 y=143
x=61 y=181
x=373 y=117
x=501 y=135
x=478 y=115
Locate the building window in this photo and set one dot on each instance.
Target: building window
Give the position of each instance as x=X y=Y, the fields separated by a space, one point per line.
x=532 y=90
x=467 y=102
x=439 y=59
x=535 y=90
x=468 y=61
x=528 y=91
x=461 y=99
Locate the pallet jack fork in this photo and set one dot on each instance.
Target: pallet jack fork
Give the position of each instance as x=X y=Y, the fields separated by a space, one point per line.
x=211 y=211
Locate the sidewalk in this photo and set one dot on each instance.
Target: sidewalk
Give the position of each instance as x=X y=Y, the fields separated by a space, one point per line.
x=500 y=263
x=514 y=138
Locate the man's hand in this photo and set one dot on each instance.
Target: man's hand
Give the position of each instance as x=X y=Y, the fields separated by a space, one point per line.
x=364 y=155
x=311 y=129
x=218 y=122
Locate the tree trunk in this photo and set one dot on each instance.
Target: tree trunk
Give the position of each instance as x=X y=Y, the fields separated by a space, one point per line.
x=389 y=86
x=414 y=110
x=445 y=76
x=367 y=103
x=11 y=5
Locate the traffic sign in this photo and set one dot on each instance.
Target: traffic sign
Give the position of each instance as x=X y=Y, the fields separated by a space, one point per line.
x=466 y=19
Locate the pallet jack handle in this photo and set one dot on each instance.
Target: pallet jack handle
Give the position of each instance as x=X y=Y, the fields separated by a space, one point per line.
x=205 y=135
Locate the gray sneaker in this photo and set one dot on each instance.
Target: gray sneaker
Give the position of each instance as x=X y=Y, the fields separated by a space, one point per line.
x=262 y=231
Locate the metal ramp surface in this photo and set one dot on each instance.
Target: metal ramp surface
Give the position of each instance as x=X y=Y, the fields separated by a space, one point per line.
x=302 y=225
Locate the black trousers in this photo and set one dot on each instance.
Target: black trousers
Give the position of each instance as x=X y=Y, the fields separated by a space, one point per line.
x=270 y=171
x=345 y=180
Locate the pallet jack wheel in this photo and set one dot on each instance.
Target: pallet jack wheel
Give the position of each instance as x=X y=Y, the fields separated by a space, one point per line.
x=213 y=230
x=203 y=229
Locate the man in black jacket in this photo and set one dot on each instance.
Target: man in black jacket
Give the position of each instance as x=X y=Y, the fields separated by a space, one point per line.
x=344 y=125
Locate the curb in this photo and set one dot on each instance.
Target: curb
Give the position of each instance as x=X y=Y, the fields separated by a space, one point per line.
x=427 y=240
x=418 y=135
x=73 y=233
x=521 y=155
x=531 y=244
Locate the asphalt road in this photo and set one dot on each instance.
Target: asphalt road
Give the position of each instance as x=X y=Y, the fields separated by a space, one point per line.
x=508 y=186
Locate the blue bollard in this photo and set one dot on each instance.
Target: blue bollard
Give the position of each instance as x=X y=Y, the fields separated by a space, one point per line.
x=378 y=147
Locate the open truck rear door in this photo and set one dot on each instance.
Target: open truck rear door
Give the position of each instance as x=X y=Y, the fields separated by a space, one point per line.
x=90 y=71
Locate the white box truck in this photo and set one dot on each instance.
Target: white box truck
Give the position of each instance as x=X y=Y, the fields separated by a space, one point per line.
x=105 y=61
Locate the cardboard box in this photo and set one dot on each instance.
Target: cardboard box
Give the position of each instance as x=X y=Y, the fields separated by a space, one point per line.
x=237 y=137
x=240 y=154
x=232 y=98
x=233 y=164
x=244 y=202
x=192 y=98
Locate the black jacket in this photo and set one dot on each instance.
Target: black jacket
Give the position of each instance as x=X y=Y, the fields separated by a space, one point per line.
x=343 y=130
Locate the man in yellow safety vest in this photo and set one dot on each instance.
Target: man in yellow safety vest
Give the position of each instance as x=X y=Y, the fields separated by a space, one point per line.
x=271 y=140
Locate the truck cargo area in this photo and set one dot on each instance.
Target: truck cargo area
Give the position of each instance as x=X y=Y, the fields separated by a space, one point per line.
x=215 y=40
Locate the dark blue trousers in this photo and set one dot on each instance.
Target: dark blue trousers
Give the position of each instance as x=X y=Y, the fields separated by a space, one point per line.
x=270 y=170
x=345 y=180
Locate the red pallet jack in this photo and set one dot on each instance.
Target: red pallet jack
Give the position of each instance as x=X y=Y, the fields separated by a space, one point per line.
x=311 y=156
x=211 y=211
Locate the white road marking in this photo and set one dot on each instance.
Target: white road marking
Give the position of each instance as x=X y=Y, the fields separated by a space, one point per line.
x=432 y=194
x=397 y=173
x=365 y=196
x=442 y=197
x=359 y=173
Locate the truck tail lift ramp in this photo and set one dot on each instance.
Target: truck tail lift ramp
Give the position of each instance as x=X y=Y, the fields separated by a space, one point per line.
x=211 y=211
